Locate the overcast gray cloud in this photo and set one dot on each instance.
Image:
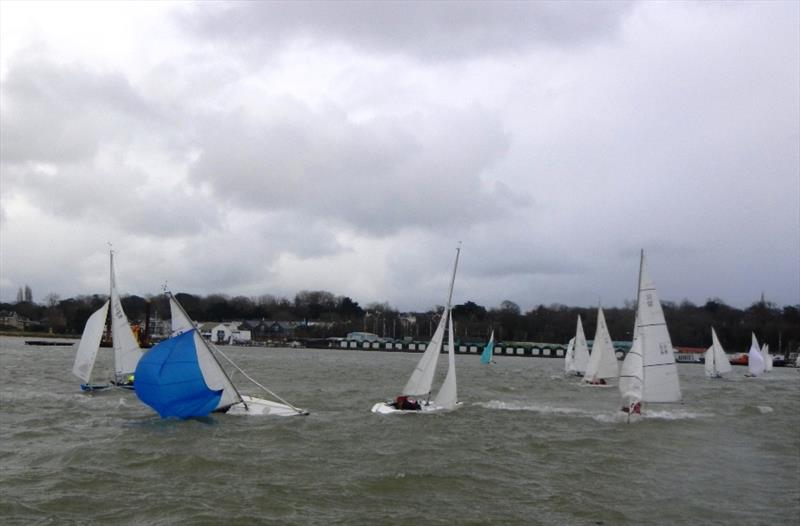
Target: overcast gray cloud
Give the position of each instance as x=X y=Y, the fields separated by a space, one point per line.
x=426 y=30
x=263 y=147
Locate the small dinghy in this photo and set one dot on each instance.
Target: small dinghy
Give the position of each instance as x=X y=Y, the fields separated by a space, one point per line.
x=716 y=361
x=415 y=397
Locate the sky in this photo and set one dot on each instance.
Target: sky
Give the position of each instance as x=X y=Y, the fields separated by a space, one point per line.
x=252 y=148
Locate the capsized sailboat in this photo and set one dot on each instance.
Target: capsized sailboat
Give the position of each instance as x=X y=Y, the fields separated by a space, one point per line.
x=576 y=361
x=649 y=373
x=415 y=396
x=488 y=351
x=603 y=365
x=716 y=361
x=126 y=349
x=181 y=377
x=755 y=360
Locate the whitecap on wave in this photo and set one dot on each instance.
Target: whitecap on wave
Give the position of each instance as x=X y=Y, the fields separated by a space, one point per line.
x=764 y=409
x=537 y=408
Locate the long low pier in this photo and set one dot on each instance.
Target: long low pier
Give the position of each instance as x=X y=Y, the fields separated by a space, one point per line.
x=540 y=350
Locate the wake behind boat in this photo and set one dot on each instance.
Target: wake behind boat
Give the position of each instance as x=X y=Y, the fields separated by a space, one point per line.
x=415 y=397
x=181 y=377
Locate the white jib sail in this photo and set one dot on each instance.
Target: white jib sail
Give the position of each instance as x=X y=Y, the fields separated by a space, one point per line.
x=126 y=349
x=581 y=349
x=755 y=361
x=603 y=361
x=179 y=322
x=569 y=357
x=89 y=344
x=661 y=383
x=419 y=384
x=631 y=375
x=447 y=397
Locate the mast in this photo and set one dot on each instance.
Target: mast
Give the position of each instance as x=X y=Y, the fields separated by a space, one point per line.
x=453 y=277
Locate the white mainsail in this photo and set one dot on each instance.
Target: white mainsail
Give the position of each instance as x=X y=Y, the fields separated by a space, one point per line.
x=89 y=344
x=767 y=357
x=716 y=361
x=126 y=349
x=631 y=375
x=179 y=320
x=755 y=361
x=569 y=357
x=448 y=393
x=581 y=349
x=660 y=380
x=603 y=361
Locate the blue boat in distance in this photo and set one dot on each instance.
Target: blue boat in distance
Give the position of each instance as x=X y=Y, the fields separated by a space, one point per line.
x=486 y=356
x=181 y=377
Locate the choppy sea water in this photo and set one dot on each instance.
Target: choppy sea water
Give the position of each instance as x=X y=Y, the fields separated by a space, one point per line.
x=527 y=447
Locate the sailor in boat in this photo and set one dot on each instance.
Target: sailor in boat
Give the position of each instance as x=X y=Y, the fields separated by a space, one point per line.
x=635 y=409
x=404 y=403
x=596 y=381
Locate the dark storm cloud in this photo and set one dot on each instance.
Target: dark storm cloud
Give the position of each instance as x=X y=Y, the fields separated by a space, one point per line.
x=376 y=177
x=433 y=30
x=54 y=112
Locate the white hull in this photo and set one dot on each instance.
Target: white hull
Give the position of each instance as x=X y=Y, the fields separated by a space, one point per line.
x=261 y=407
x=385 y=408
x=599 y=386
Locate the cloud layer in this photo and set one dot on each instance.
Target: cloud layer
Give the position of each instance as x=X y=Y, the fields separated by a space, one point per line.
x=255 y=148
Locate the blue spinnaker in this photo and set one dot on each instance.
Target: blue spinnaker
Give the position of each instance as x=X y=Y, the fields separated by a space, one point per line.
x=486 y=356
x=169 y=379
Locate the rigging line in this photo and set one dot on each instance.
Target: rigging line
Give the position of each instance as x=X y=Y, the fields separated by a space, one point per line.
x=217 y=349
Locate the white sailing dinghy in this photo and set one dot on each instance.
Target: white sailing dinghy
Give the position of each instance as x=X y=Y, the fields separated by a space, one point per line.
x=755 y=360
x=181 y=377
x=603 y=365
x=577 y=357
x=716 y=361
x=649 y=373
x=126 y=349
x=415 y=397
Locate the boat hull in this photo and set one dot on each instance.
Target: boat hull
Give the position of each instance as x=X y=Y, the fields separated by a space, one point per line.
x=386 y=408
x=259 y=407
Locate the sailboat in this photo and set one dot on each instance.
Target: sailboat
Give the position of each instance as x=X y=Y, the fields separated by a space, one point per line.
x=648 y=373
x=716 y=361
x=576 y=361
x=755 y=360
x=181 y=377
x=415 y=396
x=603 y=364
x=486 y=356
x=126 y=349
x=767 y=358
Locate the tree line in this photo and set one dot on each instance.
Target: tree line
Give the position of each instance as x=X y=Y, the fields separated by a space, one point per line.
x=335 y=316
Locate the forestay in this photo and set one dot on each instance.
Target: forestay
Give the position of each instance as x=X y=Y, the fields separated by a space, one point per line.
x=660 y=374
x=89 y=344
